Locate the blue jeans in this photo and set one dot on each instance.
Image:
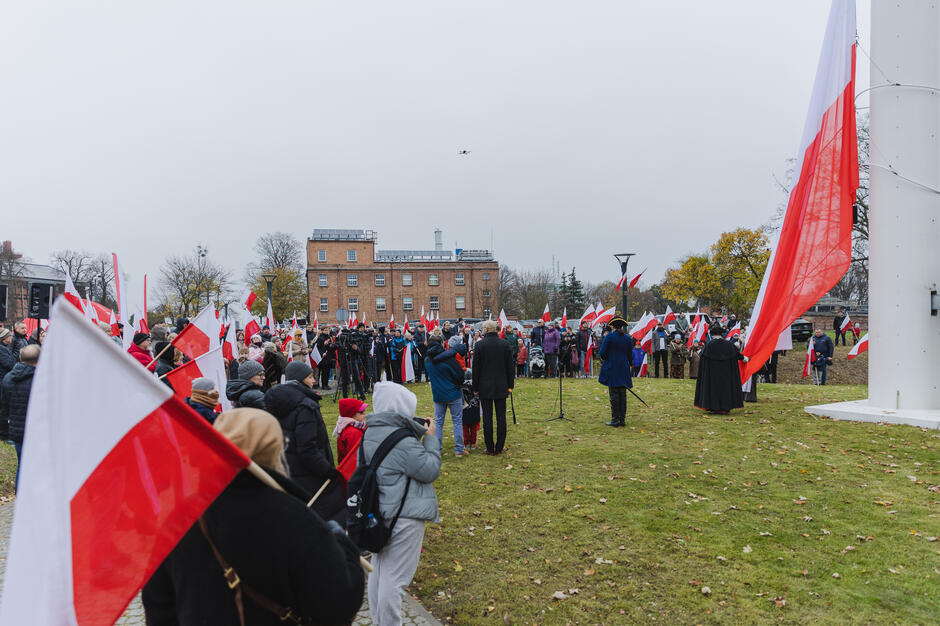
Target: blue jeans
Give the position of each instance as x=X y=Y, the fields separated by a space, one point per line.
x=18 y=446
x=456 y=416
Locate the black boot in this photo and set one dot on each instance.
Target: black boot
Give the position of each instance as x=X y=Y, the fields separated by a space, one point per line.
x=614 y=407
x=623 y=407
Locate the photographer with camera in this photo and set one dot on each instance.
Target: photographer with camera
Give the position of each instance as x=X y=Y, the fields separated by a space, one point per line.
x=348 y=350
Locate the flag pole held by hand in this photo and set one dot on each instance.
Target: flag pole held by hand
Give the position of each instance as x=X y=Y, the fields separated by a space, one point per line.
x=319 y=491
x=165 y=348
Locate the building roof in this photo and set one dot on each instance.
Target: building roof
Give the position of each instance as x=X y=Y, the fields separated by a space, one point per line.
x=397 y=256
x=36 y=271
x=343 y=234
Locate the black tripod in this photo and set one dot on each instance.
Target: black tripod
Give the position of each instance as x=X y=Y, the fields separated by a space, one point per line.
x=561 y=402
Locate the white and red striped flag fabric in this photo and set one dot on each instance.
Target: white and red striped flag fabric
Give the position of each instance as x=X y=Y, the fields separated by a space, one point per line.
x=407 y=367
x=208 y=365
x=815 y=245
x=645 y=324
x=810 y=357
x=588 y=315
x=229 y=344
x=646 y=344
x=846 y=323
x=316 y=322
x=644 y=366
x=405 y=328
x=564 y=318
x=859 y=347
x=71 y=294
x=118 y=291
x=250 y=325
x=620 y=282
x=391 y=322
x=735 y=330
x=636 y=278
x=248 y=298
x=200 y=335
x=424 y=320
x=589 y=354
x=269 y=317
x=546 y=316
x=109 y=487
x=315 y=356
x=669 y=316
x=503 y=320
x=606 y=316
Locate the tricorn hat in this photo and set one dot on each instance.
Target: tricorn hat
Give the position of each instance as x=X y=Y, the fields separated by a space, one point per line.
x=617 y=322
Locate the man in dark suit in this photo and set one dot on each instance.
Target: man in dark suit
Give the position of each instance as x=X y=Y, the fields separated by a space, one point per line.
x=493 y=377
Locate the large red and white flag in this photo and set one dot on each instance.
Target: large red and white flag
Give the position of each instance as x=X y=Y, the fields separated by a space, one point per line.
x=248 y=298
x=546 y=316
x=251 y=326
x=424 y=320
x=810 y=357
x=644 y=366
x=620 y=282
x=605 y=316
x=645 y=324
x=646 y=344
x=846 y=323
x=669 y=316
x=589 y=355
x=695 y=333
x=859 y=347
x=407 y=367
x=71 y=294
x=109 y=487
x=815 y=245
x=588 y=315
x=200 y=335
x=208 y=365
x=636 y=278
x=502 y=320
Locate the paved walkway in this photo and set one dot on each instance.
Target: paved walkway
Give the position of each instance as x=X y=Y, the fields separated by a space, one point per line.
x=414 y=614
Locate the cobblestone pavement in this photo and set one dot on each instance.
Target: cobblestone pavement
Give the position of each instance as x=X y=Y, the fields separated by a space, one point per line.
x=413 y=613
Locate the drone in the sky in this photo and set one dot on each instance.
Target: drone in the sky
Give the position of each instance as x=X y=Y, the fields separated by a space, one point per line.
x=463 y=152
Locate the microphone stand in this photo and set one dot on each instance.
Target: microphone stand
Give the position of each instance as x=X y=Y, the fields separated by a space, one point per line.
x=561 y=400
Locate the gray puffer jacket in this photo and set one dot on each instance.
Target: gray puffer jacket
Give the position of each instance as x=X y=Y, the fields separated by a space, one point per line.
x=410 y=457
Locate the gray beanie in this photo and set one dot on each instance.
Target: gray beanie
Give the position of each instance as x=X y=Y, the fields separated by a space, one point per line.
x=204 y=384
x=249 y=368
x=297 y=370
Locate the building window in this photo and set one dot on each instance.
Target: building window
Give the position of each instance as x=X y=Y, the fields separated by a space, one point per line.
x=352 y=280
x=380 y=280
x=433 y=280
x=350 y=256
x=407 y=303
x=461 y=303
x=321 y=256
x=458 y=279
x=380 y=304
x=486 y=276
x=323 y=280
x=486 y=293
x=324 y=305
x=435 y=303
x=352 y=304
x=406 y=280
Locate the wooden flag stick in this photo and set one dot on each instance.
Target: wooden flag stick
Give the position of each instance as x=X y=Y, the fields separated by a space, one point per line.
x=319 y=491
x=165 y=348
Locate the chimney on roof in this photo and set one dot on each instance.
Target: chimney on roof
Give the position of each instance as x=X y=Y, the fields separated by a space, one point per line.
x=438 y=239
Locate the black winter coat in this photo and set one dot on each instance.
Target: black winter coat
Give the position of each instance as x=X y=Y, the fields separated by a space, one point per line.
x=718 y=386
x=494 y=369
x=307 y=446
x=203 y=410
x=7 y=360
x=14 y=399
x=274 y=364
x=244 y=393
x=18 y=344
x=276 y=545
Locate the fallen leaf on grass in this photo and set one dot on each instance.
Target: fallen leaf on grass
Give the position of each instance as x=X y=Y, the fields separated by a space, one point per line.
x=764 y=533
x=589 y=572
x=706 y=591
x=559 y=595
x=457 y=567
x=780 y=602
x=747 y=549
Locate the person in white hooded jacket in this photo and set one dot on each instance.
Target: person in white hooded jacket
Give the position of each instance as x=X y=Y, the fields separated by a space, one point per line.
x=395 y=565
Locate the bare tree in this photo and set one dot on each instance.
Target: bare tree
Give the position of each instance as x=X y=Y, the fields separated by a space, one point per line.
x=533 y=288
x=192 y=281
x=11 y=264
x=279 y=250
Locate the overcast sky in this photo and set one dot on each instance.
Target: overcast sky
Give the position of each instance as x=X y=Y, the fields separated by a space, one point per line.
x=595 y=127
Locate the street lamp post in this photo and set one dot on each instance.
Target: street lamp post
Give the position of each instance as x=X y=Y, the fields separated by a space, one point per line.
x=269 y=279
x=623 y=258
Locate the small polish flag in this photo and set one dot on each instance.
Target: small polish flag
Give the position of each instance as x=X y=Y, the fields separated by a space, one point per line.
x=644 y=366
x=407 y=367
x=606 y=316
x=860 y=347
x=696 y=321
x=391 y=322
x=251 y=326
x=810 y=357
x=546 y=316
x=423 y=319
x=724 y=320
x=71 y=294
x=647 y=343
x=589 y=354
x=846 y=323
x=229 y=347
x=564 y=318
x=248 y=298
x=110 y=487
x=113 y=323
x=208 y=365
x=140 y=323
x=198 y=336
x=269 y=318
x=637 y=278
x=588 y=315
x=406 y=325
x=620 y=282
x=645 y=324
x=316 y=322
x=735 y=330
x=315 y=356
x=669 y=316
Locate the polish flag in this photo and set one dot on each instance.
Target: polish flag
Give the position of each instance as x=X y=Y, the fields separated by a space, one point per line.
x=108 y=489
x=122 y=310
x=251 y=326
x=200 y=335
x=315 y=356
x=140 y=322
x=588 y=315
x=735 y=330
x=589 y=354
x=546 y=316
x=248 y=298
x=646 y=323
x=647 y=342
x=208 y=365
x=406 y=325
x=606 y=316
x=269 y=318
x=564 y=318
x=229 y=345
x=391 y=322
x=859 y=347
x=644 y=366
x=71 y=294
x=113 y=323
x=846 y=323
x=669 y=316
x=696 y=322
x=636 y=278
x=724 y=320
x=810 y=357
x=316 y=322
x=503 y=320
x=407 y=367
x=815 y=245
x=424 y=320
x=620 y=282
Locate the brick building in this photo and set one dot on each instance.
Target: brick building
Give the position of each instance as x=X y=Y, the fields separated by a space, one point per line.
x=345 y=270
x=16 y=276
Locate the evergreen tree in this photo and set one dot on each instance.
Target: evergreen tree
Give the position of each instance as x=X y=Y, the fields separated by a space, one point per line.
x=574 y=294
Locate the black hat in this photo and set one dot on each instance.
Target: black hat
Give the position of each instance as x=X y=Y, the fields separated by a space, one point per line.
x=139 y=338
x=617 y=322
x=297 y=370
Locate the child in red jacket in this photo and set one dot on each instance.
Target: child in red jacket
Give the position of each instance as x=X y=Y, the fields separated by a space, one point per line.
x=349 y=426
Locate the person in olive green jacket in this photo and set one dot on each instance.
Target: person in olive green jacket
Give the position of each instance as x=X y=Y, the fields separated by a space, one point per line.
x=512 y=338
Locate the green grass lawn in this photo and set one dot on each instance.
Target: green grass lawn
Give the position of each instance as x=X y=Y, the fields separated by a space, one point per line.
x=764 y=507
x=7 y=468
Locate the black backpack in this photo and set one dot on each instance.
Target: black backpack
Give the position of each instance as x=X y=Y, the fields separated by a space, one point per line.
x=364 y=521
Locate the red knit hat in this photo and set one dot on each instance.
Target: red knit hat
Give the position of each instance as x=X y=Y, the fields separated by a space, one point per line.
x=350 y=406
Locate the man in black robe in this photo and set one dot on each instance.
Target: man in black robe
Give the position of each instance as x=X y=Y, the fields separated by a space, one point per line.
x=718 y=386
